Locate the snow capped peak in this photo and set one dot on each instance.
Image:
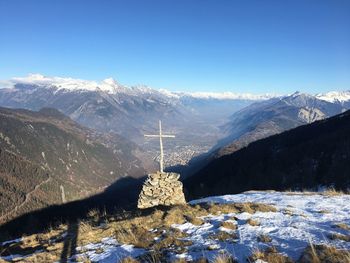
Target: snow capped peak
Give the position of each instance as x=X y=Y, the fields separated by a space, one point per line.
x=335 y=96
x=169 y=94
x=58 y=82
x=111 y=86
x=296 y=94
x=36 y=77
x=110 y=81
x=300 y=94
x=231 y=95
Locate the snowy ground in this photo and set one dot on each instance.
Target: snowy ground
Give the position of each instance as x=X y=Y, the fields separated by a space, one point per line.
x=301 y=219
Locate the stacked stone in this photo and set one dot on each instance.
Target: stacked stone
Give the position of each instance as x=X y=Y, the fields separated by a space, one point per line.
x=161 y=189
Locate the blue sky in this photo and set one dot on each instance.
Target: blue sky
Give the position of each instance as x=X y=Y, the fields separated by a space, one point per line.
x=183 y=45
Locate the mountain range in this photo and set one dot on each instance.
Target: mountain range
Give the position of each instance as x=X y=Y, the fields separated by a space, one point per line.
x=202 y=121
x=131 y=111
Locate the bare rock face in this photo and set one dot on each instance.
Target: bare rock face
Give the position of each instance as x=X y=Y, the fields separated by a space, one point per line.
x=161 y=189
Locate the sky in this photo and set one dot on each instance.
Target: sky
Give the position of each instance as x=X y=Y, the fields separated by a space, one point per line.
x=182 y=45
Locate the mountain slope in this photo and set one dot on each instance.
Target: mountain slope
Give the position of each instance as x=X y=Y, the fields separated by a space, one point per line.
x=266 y=118
x=305 y=157
x=49 y=150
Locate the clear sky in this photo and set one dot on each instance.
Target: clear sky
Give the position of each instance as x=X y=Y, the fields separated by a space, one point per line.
x=182 y=45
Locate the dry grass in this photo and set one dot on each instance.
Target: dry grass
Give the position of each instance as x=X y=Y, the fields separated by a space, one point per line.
x=137 y=235
x=335 y=236
x=250 y=208
x=288 y=212
x=342 y=226
x=174 y=216
x=152 y=257
x=270 y=255
x=129 y=260
x=194 y=220
x=264 y=239
x=134 y=228
x=323 y=212
x=253 y=222
x=324 y=254
x=229 y=225
x=332 y=192
x=224 y=236
x=224 y=258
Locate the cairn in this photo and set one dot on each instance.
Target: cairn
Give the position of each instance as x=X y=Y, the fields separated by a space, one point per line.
x=161 y=189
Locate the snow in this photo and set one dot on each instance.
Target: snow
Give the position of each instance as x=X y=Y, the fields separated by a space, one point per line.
x=300 y=219
x=111 y=86
x=311 y=218
x=108 y=85
x=231 y=96
x=11 y=241
x=109 y=251
x=335 y=96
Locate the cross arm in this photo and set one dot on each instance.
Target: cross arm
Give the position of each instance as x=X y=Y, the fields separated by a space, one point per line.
x=157 y=136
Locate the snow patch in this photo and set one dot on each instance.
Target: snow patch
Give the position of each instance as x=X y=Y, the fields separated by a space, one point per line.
x=107 y=251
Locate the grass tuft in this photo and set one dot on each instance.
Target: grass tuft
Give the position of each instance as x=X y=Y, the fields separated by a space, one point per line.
x=270 y=255
x=229 y=225
x=253 y=222
x=264 y=239
x=335 y=236
x=323 y=253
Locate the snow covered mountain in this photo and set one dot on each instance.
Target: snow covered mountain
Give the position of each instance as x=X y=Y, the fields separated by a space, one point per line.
x=198 y=119
x=90 y=102
x=130 y=111
x=111 y=86
x=335 y=96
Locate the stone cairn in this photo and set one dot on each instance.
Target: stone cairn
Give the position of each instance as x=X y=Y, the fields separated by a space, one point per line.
x=161 y=188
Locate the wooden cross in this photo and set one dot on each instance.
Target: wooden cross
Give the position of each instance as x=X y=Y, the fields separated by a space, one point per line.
x=160 y=136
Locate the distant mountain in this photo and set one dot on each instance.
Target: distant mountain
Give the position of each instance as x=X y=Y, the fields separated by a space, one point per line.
x=200 y=120
x=262 y=119
x=45 y=154
x=342 y=97
x=129 y=111
x=132 y=111
x=310 y=156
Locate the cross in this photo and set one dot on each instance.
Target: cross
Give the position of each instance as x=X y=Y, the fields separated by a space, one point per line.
x=160 y=135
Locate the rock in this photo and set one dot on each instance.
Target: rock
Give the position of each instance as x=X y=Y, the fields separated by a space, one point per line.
x=161 y=189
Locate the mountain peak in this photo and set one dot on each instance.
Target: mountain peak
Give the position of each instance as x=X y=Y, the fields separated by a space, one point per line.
x=110 y=81
x=335 y=96
x=36 y=76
